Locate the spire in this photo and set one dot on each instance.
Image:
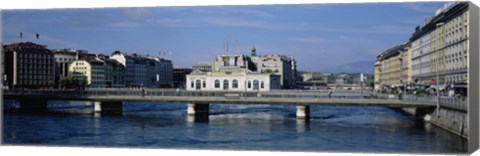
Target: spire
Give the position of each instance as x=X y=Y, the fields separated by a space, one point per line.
x=254 y=51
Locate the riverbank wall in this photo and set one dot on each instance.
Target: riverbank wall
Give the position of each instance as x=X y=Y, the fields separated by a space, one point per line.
x=448 y=119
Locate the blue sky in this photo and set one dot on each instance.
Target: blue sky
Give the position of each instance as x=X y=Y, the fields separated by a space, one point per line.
x=320 y=36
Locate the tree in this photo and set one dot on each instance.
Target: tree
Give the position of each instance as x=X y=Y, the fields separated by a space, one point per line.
x=82 y=82
x=66 y=82
x=268 y=71
x=77 y=82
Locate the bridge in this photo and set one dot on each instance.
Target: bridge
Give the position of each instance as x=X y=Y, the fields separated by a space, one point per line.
x=110 y=100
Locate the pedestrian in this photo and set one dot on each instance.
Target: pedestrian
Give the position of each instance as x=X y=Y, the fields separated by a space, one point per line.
x=330 y=92
x=400 y=94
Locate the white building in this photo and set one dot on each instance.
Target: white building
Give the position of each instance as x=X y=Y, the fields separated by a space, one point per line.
x=232 y=79
x=233 y=60
x=441 y=46
x=145 y=70
x=282 y=65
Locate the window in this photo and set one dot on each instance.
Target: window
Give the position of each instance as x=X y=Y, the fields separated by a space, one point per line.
x=197 y=85
x=249 y=84
x=225 y=84
x=191 y=84
x=262 y=85
x=255 y=84
x=234 y=83
x=217 y=83
x=204 y=84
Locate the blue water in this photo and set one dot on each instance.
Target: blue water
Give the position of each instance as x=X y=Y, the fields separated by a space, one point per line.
x=231 y=127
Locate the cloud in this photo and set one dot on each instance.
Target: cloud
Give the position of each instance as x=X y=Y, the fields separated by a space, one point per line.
x=310 y=39
x=137 y=14
x=239 y=22
x=380 y=29
x=61 y=43
x=251 y=13
x=421 y=7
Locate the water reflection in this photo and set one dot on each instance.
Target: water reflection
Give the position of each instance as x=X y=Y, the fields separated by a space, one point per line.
x=302 y=125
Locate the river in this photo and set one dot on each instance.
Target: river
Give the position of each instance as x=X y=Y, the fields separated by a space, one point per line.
x=230 y=127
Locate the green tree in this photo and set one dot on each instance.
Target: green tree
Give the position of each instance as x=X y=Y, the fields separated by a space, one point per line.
x=268 y=71
x=82 y=82
x=66 y=82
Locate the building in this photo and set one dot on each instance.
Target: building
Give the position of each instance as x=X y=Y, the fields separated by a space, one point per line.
x=377 y=73
x=282 y=65
x=233 y=60
x=440 y=47
x=203 y=66
x=307 y=77
x=406 y=65
x=63 y=58
x=114 y=73
x=90 y=69
x=162 y=72
x=180 y=77
x=232 y=78
x=29 y=65
x=341 y=79
x=389 y=68
x=145 y=71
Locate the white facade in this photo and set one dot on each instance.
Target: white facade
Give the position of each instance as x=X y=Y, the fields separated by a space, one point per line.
x=145 y=70
x=63 y=60
x=233 y=60
x=282 y=65
x=232 y=79
x=442 y=47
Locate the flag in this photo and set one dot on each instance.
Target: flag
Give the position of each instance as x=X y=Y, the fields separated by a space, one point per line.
x=21 y=35
x=38 y=36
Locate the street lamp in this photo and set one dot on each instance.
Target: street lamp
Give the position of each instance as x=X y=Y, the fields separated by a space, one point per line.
x=436 y=71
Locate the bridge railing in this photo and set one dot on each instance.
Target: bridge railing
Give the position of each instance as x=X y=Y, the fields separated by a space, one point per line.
x=272 y=93
x=444 y=101
x=178 y=92
x=447 y=102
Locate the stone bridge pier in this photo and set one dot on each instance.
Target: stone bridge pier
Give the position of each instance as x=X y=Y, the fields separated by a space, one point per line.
x=108 y=107
x=303 y=112
x=198 y=112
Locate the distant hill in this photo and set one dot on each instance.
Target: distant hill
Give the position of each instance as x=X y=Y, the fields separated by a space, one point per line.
x=354 y=67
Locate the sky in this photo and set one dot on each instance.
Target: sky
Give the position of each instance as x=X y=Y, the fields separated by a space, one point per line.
x=321 y=37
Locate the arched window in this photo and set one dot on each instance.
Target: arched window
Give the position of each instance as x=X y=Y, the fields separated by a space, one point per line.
x=192 y=85
x=262 y=85
x=225 y=84
x=217 y=83
x=197 y=85
x=249 y=84
x=234 y=83
x=255 y=84
x=204 y=84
